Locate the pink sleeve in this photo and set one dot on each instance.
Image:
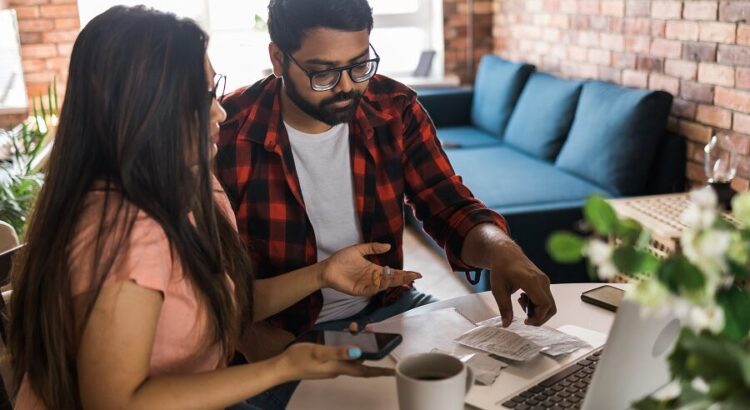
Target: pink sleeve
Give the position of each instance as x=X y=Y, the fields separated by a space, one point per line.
x=145 y=257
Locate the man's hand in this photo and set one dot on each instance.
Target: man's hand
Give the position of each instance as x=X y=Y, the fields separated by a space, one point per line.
x=513 y=271
x=349 y=272
x=487 y=246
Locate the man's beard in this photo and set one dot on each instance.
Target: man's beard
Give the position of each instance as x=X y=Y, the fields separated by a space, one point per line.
x=325 y=111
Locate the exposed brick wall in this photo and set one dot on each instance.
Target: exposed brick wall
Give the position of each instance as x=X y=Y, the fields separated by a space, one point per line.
x=697 y=50
x=47 y=29
x=457 y=44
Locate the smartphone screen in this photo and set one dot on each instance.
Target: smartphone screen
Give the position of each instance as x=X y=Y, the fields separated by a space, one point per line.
x=373 y=345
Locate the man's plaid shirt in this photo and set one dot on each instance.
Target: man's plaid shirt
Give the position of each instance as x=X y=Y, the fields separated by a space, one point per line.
x=395 y=157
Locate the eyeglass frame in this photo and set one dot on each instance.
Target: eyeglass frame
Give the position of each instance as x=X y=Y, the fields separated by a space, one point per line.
x=347 y=68
x=212 y=93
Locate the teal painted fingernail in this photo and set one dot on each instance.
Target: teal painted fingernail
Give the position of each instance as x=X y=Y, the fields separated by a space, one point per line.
x=355 y=352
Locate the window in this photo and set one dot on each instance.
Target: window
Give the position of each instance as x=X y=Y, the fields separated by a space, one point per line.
x=403 y=30
x=239 y=43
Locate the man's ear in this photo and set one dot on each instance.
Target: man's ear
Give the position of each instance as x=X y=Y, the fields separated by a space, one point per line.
x=277 y=59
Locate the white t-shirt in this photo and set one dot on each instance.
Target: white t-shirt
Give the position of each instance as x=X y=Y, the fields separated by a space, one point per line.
x=324 y=170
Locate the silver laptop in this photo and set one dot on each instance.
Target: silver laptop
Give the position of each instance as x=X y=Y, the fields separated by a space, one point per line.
x=631 y=365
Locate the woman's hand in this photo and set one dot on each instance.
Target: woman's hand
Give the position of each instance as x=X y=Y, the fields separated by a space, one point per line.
x=349 y=272
x=315 y=361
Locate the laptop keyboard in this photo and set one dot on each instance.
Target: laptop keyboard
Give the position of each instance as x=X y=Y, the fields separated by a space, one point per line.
x=563 y=390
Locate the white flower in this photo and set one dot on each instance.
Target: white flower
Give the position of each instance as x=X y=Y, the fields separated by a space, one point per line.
x=681 y=309
x=600 y=255
x=704 y=197
x=607 y=271
x=707 y=250
x=598 y=251
x=709 y=317
x=698 y=218
x=652 y=296
x=714 y=243
x=741 y=207
x=668 y=392
x=700 y=385
x=701 y=212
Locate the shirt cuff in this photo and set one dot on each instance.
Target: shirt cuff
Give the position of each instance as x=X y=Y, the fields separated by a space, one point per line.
x=461 y=224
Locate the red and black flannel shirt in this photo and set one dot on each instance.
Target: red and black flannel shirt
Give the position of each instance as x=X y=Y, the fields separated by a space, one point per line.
x=395 y=157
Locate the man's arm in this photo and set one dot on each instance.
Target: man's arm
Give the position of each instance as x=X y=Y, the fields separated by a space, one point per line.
x=472 y=235
x=489 y=247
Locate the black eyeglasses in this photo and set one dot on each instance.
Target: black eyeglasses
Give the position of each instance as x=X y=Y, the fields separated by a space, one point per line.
x=328 y=79
x=220 y=84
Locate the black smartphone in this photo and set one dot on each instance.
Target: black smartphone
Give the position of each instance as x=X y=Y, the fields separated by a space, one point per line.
x=607 y=297
x=375 y=346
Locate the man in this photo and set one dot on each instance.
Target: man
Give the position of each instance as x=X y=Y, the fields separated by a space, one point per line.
x=323 y=154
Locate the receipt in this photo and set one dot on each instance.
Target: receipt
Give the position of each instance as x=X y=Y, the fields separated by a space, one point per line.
x=552 y=341
x=485 y=368
x=500 y=342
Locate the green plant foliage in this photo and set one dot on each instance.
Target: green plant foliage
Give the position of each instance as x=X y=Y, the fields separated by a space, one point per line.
x=566 y=247
x=631 y=261
x=678 y=274
x=20 y=173
x=704 y=282
x=736 y=304
x=601 y=215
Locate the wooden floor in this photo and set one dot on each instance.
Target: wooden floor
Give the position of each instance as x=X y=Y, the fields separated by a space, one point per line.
x=437 y=278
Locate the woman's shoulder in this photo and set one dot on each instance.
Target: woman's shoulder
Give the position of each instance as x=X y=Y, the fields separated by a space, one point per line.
x=115 y=235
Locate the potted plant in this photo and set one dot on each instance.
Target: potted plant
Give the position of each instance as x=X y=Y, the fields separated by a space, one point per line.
x=23 y=150
x=703 y=284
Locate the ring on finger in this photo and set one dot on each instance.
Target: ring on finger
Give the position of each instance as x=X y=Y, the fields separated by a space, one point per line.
x=387 y=271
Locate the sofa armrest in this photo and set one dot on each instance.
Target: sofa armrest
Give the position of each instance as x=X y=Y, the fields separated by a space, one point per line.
x=667 y=174
x=448 y=107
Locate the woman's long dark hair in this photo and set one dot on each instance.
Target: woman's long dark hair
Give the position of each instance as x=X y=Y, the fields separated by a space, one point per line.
x=136 y=116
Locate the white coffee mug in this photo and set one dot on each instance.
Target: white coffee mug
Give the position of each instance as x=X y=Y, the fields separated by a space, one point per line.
x=432 y=381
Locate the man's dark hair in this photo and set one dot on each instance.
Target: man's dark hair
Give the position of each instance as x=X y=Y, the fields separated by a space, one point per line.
x=290 y=20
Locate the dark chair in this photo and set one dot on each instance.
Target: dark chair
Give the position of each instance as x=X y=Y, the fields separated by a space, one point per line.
x=6 y=262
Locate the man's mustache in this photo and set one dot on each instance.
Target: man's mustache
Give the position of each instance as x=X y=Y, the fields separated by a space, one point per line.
x=353 y=95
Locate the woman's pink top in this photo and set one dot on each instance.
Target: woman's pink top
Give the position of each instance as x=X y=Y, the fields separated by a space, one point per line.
x=182 y=329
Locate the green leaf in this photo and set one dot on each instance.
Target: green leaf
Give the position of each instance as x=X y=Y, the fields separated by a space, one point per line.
x=601 y=215
x=44 y=111
x=736 y=304
x=36 y=113
x=722 y=224
x=631 y=232
x=679 y=275
x=54 y=94
x=631 y=261
x=565 y=247
x=737 y=269
x=711 y=356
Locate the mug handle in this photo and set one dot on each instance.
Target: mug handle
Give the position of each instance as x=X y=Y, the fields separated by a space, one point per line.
x=469 y=379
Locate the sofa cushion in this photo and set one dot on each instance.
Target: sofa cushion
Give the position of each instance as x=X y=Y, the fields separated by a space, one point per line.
x=543 y=115
x=465 y=137
x=614 y=136
x=496 y=89
x=504 y=178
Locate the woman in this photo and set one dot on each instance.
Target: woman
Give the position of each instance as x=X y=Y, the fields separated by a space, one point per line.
x=134 y=286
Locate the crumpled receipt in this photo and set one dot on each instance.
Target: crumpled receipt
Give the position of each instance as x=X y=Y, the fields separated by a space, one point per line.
x=552 y=341
x=485 y=367
x=500 y=342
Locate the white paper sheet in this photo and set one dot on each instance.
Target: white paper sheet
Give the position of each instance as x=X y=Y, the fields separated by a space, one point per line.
x=553 y=342
x=427 y=331
x=485 y=368
x=501 y=342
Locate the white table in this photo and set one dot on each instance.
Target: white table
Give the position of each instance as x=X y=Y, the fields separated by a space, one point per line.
x=380 y=393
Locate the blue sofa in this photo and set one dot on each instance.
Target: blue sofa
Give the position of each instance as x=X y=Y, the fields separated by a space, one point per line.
x=534 y=146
